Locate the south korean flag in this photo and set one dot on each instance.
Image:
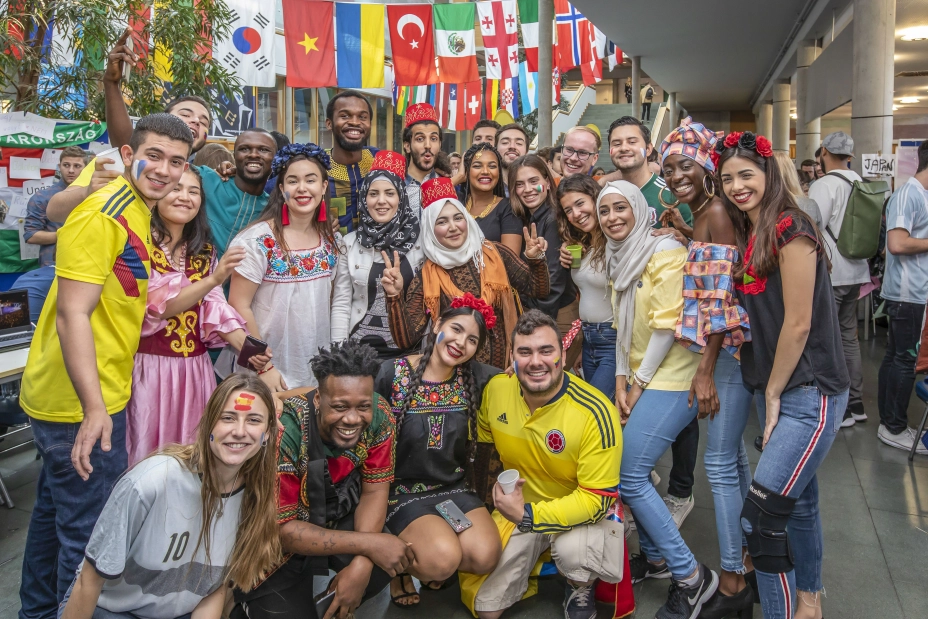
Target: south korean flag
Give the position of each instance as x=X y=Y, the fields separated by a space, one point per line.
x=249 y=51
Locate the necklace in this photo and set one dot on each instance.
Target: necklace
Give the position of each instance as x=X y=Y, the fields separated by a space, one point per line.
x=180 y=264
x=701 y=206
x=486 y=211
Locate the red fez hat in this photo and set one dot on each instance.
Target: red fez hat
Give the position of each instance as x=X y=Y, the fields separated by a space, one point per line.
x=391 y=162
x=437 y=189
x=419 y=112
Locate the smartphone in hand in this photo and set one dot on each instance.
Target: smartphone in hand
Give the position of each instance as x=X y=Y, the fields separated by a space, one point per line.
x=253 y=346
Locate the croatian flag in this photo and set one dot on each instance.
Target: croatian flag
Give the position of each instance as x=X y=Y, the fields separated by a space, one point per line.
x=249 y=51
x=509 y=96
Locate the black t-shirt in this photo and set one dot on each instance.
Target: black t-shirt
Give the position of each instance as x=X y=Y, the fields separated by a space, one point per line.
x=501 y=220
x=822 y=360
x=562 y=290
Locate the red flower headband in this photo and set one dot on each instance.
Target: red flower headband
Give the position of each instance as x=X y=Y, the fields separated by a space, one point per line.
x=478 y=305
x=746 y=140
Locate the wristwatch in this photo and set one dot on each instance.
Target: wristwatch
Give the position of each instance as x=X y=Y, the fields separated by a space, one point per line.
x=527 y=521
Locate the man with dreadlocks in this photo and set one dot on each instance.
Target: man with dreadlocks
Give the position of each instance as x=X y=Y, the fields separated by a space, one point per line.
x=335 y=465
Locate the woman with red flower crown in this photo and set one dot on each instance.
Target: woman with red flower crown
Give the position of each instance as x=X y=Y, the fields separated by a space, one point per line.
x=283 y=286
x=789 y=365
x=435 y=397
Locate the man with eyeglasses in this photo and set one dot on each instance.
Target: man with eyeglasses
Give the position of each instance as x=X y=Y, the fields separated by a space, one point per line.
x=512 y=143
x=581 y=150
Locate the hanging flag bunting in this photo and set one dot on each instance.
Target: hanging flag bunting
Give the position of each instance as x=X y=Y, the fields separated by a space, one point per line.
x=528 y=88
x=473 y=93
x=454 y=42
x=572 y=34
x=528 y=19
x=249 y=51
x=412 y=44
x=498 y=26
x=509 y=96
x=451 y=106
x=592 y=68
x=492 y=97
x=359 y=32
x=614 y=54
x=400 y=98
x=310 y=44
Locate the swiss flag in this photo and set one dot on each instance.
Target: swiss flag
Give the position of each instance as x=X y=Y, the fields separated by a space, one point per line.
x=473 y=95
x=412 y=43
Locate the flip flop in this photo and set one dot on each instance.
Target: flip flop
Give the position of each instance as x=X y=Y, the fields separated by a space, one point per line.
x=406 y=594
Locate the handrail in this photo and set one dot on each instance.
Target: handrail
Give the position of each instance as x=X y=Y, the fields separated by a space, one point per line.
x=575 y=100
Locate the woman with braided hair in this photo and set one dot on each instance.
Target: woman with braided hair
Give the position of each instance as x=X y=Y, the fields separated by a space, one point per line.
x=435 y=397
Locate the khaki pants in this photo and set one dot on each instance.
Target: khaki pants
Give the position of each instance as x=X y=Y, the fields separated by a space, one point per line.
x=581 y=555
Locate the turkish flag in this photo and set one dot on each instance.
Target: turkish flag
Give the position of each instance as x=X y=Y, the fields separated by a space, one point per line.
x=412 y=44
x=473 y=93
x=310 y=41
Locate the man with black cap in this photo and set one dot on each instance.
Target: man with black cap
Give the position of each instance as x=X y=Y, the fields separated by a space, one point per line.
x=831 y=193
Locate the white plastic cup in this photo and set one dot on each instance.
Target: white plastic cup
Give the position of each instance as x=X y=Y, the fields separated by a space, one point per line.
x=507 y=480
x=117 y=165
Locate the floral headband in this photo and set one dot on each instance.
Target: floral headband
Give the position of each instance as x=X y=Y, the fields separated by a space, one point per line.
x=478 y=305
x=288 y=152
x=746 y=140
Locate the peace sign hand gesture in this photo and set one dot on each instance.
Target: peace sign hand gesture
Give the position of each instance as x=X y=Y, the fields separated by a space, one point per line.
x=392 y=278
x=535 y=246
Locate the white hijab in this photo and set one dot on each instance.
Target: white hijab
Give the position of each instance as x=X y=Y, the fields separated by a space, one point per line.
x=626 y=260
x=441 y=255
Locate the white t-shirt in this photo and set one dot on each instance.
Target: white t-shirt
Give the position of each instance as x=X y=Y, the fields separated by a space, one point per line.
x=292 y=303
x=145 y=542
x=831 y=195
x=595 y=292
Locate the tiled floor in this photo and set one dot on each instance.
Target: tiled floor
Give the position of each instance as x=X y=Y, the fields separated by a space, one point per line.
x=874 y=508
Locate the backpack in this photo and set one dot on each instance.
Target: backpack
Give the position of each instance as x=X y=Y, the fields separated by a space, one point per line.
x=649 y=93
x=859 y=236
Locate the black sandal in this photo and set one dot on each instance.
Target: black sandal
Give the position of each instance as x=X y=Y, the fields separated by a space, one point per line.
x=441 y=586
x=406 y=594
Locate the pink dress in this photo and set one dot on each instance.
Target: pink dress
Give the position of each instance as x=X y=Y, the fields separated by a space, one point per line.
x=173 y=376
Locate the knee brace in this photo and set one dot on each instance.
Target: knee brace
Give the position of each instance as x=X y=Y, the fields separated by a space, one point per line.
x=763 y=520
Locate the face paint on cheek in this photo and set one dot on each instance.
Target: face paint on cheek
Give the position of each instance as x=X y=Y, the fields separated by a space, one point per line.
x=138 y=166
x=440 y=337
x=515 y=367
x=244 y=401
x=286 y=196
x=644 y=153
x=557 y=362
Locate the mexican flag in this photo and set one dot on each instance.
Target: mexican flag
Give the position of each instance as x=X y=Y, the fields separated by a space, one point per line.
x=528 y=17
x=454 y=42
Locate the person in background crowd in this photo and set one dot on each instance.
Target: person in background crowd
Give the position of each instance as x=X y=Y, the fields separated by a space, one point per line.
x=443 y=165
x=173 y=376
x=485 y=131
x=543 y=152
x=386 y=227
x=597 y=172
x=455 y=161
x=819 y=164
x=284 y=284
x=580 y=151
x=421 y=145
x=808 y=166
x=223 y=485
x=831 y=193
x=459 y=261
x=653 y=163
x=213 y=156
x=481 y=193
x=791 y=180
x=799 y=390
x=805 y=180
x=578 y=224
x=435 y=397
x=78 y=377
x=563 y=438
x=905 y=290
x=511 y=142
x=281 y=141
x=334 y=469
x=555 y=159
x=647 y=94
x=39 y=230
x=717 y=387
x=348 y=116
x=628 y=90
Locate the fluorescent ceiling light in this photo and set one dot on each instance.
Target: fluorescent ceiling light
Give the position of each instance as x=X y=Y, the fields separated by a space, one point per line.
x=918 y=33
x=909 y=100
x=895 y=107
x=794 y=115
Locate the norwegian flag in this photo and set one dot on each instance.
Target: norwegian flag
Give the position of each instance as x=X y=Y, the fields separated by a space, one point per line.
x=498 y=27
x=451 y=106
x=572 y=33
x=592 y=69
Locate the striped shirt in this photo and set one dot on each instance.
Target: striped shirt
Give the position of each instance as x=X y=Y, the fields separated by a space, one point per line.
x=906 y=276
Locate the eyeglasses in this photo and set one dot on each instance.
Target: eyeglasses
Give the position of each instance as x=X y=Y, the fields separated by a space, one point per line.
x=582 y=155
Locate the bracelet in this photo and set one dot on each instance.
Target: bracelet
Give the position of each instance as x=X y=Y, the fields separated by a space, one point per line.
x=266 y=369
x=639 y=382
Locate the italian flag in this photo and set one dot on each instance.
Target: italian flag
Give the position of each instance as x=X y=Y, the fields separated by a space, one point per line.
x=455 y=43
x=528 y=17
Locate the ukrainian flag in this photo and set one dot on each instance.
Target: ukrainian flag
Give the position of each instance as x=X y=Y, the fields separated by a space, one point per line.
x=359 y=34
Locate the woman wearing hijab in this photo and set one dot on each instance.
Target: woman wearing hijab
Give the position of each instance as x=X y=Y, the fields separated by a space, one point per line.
x=712 y=321
x=652 y=387
x=386 y=224
x=459 y=260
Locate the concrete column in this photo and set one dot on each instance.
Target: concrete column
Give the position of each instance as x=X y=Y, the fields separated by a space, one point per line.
x=808 y=130
x=636 y=84
x=673 y=110
x=765 y=119
x=872 y=85
x=779 y=132
x=545 y=68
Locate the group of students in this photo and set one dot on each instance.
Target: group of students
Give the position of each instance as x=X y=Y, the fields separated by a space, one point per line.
x=424 y=333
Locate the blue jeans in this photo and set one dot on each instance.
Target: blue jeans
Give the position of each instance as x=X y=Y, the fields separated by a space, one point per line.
x=808 y=424
x=653 y=425
x=37 y=284
x=65 y=512
x=599 y=357
x=726 y=460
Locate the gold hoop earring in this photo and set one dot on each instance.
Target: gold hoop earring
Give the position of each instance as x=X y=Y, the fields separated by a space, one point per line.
x=710 y=190
x=660 y=198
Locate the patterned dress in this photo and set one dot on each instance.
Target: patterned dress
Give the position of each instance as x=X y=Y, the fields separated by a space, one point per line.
x=431 y=446
x=173 y=377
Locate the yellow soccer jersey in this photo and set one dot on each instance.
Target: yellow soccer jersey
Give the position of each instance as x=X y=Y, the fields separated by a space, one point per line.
x=83 y=179
x=569 y=451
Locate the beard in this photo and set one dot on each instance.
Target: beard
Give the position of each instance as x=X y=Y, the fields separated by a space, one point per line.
x=344 y=144
x=418 y=162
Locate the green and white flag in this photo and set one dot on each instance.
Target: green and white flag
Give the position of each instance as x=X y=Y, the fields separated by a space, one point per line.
x=455 y=42
x=528 y=18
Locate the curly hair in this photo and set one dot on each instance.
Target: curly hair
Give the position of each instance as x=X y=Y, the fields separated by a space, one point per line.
x=469 y=157
x=348 y=358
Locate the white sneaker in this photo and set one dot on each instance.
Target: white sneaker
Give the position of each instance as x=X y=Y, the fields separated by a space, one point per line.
x=903 y=440
x=859 y=417
x=655 y=478
x=848 y=422
x=679 y=508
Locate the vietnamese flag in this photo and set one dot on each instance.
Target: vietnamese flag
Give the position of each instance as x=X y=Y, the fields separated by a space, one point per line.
x=412 y=44
x=310 y=40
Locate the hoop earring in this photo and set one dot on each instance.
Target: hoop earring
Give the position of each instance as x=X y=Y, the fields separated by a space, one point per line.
x=660 y=198
x=263 y=440
x=710 y=190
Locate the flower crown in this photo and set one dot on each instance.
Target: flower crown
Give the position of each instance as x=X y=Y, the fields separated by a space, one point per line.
x=288 y=152
x=478 y=305
x=746 y=140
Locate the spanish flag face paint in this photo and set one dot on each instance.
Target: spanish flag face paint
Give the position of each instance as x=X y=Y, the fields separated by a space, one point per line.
x=243 y=401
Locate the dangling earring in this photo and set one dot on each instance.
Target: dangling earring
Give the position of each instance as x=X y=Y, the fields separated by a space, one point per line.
x=710 y=190
x=321 y=216
x=660 y=198
x=263 y=440
x=285 y=215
